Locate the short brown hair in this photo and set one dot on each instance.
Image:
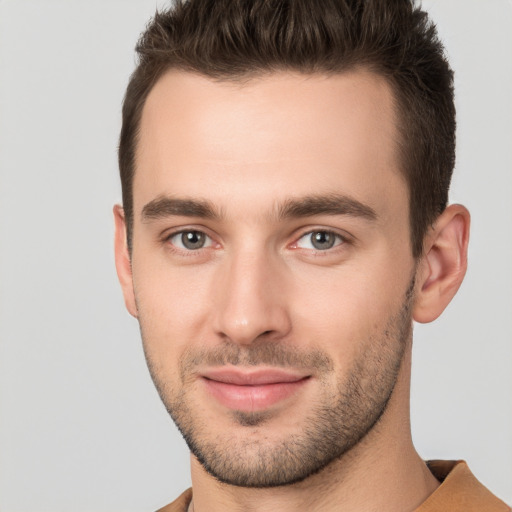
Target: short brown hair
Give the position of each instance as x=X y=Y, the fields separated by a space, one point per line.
x=235 y=39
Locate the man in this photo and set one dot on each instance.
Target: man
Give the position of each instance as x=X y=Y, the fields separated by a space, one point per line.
x=285 y=169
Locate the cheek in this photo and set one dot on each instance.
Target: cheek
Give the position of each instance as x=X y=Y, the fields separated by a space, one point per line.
x=347 y=308
x=173 y=309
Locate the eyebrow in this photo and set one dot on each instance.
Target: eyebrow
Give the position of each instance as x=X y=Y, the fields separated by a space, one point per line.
x=308 y=206
x=331 y=204
x=164 y=206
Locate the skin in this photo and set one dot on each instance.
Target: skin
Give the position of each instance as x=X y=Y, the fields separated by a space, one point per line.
x=248 y=150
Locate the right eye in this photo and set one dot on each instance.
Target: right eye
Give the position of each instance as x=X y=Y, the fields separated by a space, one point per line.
x=190 y=240
x=320 y=240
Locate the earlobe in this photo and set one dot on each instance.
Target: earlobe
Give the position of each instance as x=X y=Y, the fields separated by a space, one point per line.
x=443 y=265
x=123 y=260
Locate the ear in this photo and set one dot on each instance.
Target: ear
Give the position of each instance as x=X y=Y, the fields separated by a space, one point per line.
x=443 y=265
x=123 y=260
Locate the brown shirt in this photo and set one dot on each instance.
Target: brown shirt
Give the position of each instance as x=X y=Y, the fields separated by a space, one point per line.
x=459 y=491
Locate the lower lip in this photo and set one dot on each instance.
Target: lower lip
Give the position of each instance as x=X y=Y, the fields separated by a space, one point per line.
x=252 y=398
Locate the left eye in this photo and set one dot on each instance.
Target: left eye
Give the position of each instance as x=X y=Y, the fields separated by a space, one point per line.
x=319 y=240
x=190 y=240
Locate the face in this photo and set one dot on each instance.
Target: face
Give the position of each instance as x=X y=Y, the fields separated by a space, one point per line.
x=271 y=266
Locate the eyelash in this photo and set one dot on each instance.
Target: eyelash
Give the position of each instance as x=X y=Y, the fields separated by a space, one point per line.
x=340 y=240
x=168 y=237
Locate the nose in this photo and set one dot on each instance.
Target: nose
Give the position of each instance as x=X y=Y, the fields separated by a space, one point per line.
x=250 y=302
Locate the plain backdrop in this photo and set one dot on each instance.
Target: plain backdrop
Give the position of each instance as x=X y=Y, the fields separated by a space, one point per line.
x=81 y=427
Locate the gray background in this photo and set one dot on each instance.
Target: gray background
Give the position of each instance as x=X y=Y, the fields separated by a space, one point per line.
x=81 y=427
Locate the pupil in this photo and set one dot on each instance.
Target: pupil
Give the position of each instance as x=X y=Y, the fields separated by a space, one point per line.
x=322 y=240
x=192 y=239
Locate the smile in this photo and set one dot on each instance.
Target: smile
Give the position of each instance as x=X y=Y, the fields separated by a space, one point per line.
x=252 y=391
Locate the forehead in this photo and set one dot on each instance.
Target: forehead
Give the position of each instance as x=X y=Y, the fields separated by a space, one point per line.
x=268 y=136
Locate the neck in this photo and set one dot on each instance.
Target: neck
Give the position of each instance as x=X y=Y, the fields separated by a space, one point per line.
x=382 y=472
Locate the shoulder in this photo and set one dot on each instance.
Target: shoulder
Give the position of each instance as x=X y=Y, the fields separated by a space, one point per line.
x=180 y=504
x=459 y=491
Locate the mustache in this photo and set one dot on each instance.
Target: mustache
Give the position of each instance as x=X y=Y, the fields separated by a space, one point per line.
x=268 y=353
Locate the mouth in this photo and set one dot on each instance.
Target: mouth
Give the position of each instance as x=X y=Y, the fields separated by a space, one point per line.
x=254 y=390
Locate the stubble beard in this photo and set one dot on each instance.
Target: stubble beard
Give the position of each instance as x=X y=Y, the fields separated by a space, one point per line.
x=341 y=418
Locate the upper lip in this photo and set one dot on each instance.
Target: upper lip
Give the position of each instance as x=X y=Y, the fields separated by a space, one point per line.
x=258 y=377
